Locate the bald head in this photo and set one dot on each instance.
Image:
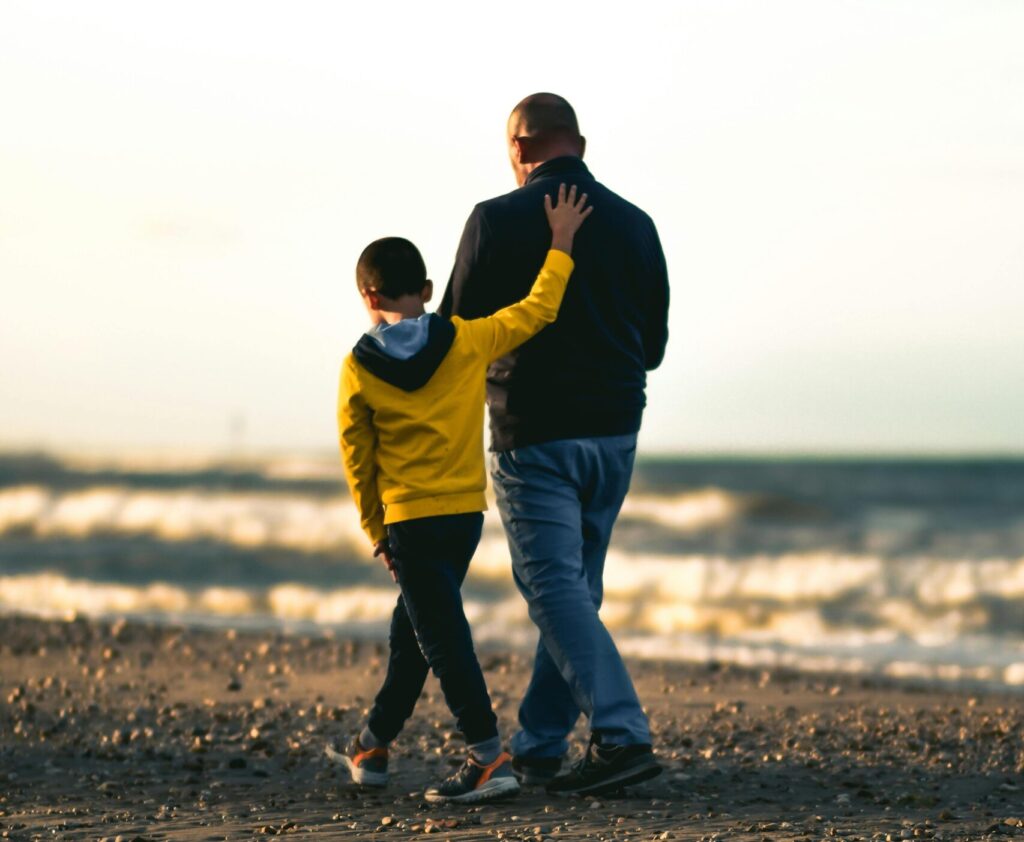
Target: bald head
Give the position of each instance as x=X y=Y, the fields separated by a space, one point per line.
x=544 y=116
x=541 y=127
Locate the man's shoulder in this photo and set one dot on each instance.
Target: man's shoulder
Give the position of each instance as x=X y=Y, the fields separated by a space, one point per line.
x=513 y=201
x=529 y=199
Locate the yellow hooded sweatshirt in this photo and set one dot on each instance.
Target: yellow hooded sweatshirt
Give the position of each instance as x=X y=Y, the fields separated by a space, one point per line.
x=411 y=429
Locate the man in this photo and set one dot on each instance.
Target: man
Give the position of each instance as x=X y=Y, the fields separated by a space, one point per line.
x=565 y=409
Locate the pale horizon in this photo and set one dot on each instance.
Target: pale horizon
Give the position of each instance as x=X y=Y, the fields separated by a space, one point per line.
x=838 y=188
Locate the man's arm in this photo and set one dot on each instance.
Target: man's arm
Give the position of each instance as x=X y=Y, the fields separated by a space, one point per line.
x=655 y=335
x=358 y=452
x=467 y=294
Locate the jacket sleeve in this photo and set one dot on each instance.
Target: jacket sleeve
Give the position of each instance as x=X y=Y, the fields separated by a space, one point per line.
x=467 y=293
x=655 y=335
x=494 y=336
x=359 y=452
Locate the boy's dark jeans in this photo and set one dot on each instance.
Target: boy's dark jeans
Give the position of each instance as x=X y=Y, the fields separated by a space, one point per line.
x=429 y=628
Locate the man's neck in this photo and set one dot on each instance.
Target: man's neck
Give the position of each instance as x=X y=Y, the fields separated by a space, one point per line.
x=530 y=167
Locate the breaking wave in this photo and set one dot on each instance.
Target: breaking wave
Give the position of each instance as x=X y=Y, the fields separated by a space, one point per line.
x=908 y=570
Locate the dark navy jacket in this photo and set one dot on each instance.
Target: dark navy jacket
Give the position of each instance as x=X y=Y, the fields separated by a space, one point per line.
x=583 y=376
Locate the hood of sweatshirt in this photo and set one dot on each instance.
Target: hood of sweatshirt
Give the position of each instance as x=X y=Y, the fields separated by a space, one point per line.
x=407 y=353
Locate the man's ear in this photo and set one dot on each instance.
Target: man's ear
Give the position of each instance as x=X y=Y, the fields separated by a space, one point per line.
x=526 y=150
x=427 y=292
x=517 y=150
x=583 y=145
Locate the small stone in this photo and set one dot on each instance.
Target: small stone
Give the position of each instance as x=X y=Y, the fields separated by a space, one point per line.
x=234 y=685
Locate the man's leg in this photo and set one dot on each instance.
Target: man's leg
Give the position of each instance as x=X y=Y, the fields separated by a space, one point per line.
x=610 y=468
x=539 y=490
x=548 y=712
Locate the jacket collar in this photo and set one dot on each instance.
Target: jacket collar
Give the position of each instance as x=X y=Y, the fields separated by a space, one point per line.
x=410 y=373
x=566 y=165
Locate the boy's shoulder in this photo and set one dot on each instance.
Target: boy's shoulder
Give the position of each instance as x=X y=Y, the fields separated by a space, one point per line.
x=350 y=374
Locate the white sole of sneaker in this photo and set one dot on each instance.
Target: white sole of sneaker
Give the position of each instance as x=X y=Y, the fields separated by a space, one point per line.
x=494 y=788
x=363 y=777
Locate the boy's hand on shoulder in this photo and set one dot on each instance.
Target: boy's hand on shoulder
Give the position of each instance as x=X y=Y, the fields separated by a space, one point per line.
x=565 y=217
x=382 y=548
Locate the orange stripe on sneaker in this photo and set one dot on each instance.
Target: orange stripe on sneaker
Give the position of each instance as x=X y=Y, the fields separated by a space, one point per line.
x=370 y=752
x=490 y=770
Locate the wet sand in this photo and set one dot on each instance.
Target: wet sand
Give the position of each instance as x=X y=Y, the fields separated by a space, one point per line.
x=131 y=731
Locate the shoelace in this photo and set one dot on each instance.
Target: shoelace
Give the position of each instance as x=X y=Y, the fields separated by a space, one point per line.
x=581 y=764
x=459 y=773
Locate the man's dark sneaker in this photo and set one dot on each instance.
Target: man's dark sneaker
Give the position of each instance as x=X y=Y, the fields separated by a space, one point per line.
x=367 y=766
x=474 y=782
x=607 y=768
x=536 y=771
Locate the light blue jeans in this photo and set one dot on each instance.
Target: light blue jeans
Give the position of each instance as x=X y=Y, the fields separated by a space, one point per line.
x=558 y=502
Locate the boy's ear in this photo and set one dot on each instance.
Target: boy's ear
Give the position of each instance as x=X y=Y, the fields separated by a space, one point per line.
x=372 y=299
x=427 y=292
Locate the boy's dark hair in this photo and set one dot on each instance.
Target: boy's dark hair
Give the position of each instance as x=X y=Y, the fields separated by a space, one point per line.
x=391 y=267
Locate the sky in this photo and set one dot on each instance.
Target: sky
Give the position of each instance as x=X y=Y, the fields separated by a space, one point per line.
x=839 y=189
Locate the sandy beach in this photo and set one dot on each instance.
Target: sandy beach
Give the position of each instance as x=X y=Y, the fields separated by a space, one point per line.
x=128 y=731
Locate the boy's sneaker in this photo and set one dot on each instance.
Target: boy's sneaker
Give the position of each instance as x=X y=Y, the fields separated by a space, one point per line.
x=535 y=771
x=607 y=768
x=367 y=766
x=474 y=782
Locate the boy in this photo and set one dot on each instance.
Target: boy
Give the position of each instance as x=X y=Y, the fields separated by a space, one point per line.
x=410 y=417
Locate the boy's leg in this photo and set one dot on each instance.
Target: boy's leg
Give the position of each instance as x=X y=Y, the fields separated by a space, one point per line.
x=431 y=557
x=407 y=670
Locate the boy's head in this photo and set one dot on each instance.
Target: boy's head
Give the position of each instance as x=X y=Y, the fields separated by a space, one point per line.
x=391 y=276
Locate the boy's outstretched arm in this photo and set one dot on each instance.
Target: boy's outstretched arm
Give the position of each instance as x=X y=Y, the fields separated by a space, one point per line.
x=358 y=454
x=510 y=327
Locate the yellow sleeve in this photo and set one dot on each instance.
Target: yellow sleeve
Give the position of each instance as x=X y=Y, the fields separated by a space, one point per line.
x=359 y=451
x=494 y=336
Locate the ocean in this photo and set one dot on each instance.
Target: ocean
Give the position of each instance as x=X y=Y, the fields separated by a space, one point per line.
x=907 y=568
